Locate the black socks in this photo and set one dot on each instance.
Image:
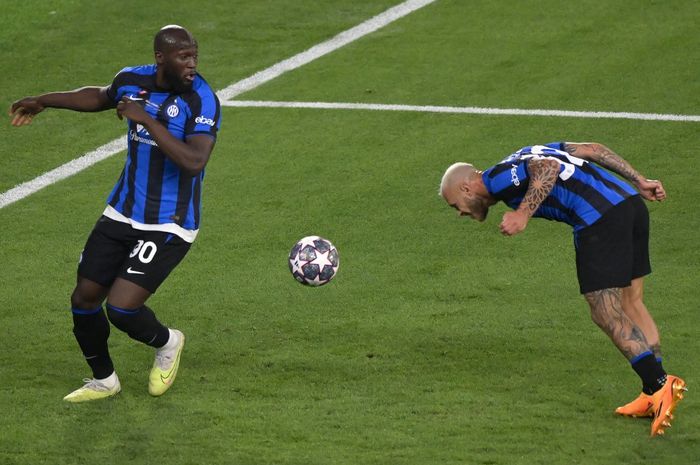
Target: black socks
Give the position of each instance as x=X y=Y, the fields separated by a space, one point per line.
x=650 y=371
x=140 y=324
x=91 y=329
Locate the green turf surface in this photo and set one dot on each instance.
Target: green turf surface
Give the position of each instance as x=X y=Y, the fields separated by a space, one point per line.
x=589 y=55
x=439 y=342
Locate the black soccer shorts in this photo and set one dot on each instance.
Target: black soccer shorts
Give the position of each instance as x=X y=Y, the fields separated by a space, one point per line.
x=615 y=249
x=116 y=250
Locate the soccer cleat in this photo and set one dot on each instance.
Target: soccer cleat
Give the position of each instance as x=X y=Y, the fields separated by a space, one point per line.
x=642 y=406
x=166 y=364
x=94 y=389
x=665 y=401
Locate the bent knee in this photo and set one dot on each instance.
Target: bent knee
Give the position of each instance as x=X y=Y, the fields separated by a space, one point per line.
x=87 y=294
x=84 y=301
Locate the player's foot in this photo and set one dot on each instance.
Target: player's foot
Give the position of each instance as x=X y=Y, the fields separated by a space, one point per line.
x=95 y=389
x=166 y=364
x=665 y=401
x=642 y=406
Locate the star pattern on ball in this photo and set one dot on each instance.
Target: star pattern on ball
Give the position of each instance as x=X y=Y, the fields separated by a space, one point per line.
x=321 y=259
x=309 y=240
x=296 y=266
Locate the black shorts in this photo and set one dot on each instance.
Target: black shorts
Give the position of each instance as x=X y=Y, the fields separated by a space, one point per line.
x=615 y=249
x=116 y=250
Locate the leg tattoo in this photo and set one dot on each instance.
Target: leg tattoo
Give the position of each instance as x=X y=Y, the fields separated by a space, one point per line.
x=607 y=313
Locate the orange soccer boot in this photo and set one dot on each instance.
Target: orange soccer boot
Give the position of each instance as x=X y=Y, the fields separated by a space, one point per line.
x=665 y=401
x=642 y=406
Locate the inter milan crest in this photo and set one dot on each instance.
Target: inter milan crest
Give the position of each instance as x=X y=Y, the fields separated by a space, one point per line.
x=172 y=111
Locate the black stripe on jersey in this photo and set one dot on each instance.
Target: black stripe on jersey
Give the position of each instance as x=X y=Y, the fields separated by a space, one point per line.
x=500 y=168
x=553 y=202
x=118 y=190
x=194 y=101
x=590 y=195
x=156 y=167
x=145 y=81
x=184 y=193
x=513 y=191
x=608 y=183
x=196 y=199
x=217 y=115
x=128 y=209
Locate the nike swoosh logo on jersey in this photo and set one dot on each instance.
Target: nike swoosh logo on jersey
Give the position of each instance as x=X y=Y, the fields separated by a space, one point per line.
x=130 y=271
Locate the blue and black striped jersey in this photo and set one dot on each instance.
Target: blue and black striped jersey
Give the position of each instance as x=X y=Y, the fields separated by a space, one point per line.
x=152 y=192
x=582 y=193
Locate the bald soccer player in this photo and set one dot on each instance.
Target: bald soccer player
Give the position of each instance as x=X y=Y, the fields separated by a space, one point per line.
x=567 y=182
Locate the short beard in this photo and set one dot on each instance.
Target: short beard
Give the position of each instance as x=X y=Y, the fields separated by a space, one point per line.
x=175 y=82
x=484 y=210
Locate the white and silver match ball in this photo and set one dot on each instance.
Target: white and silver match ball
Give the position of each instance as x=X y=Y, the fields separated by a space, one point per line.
x=314 y=261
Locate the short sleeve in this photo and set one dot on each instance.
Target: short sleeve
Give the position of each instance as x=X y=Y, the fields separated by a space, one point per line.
x=116 y=89
x=205 y=115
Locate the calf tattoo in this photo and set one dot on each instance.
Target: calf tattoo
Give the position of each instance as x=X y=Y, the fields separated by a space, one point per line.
x=607 y=313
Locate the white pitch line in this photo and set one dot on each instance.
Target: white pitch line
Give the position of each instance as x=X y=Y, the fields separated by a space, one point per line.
x=64 y=171
x=463 y=110
x=317 y=51
x=112 y=148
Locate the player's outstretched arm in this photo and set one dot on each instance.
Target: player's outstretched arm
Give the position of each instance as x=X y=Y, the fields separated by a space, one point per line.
x=84 y=99
x=650 y=189
x=543 y=175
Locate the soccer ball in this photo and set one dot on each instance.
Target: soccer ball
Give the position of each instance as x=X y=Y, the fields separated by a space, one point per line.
x=314 y=261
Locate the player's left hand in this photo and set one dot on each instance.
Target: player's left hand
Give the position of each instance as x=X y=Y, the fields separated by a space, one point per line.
x=514 y=222
x=132 y=109
x=651 y=189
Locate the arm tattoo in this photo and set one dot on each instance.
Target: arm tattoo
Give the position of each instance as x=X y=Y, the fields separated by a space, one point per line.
x=543 y=176
x=607 y=313
x=605 y=158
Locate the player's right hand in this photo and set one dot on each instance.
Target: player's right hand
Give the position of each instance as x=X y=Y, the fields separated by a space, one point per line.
x=22 y=111
x=132 y=108
x=651 y=189
x=513 y=222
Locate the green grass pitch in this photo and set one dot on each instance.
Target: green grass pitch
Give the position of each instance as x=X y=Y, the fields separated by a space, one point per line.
x=439 y=342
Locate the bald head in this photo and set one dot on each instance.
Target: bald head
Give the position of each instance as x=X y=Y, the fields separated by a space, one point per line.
x=173 y=37
x=456 y=173
x=464 y=190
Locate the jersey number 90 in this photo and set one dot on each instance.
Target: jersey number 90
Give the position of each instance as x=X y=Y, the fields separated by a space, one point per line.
x=145 y=250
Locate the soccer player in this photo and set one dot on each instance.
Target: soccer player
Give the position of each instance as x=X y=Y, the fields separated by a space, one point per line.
x=152 y=214
x=565 y=182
